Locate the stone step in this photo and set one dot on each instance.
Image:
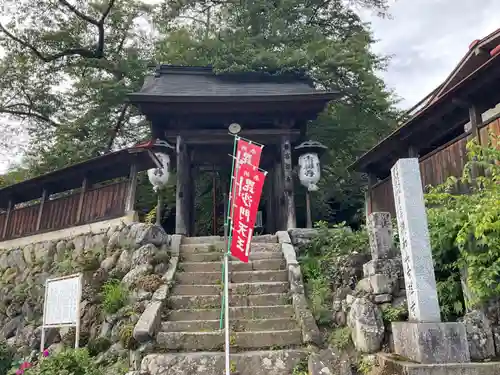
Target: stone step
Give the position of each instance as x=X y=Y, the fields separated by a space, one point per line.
x=215 y=340
x=239 y=300
x=241 y=288
x=217 y=256
x=241 y=325
x=211 y=239
x=209 y=278
x=257 y=312
x=255 y=265
x=263 y=362
x=221 y=247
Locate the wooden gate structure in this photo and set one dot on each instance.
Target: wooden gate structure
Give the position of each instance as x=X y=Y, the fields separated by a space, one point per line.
x=464 y=107
x=192 y=108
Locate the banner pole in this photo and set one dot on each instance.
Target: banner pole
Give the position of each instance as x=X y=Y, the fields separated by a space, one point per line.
x=226 y=229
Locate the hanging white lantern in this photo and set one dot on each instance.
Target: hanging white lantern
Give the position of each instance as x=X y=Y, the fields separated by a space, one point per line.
x=309 y=170
x=158 y=177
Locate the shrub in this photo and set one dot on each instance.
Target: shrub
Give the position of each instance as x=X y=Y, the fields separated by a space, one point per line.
x=465 y=232
x=114 y=296
x=73 y=361
x=126 y=336
x=395 y=314
x=6 y=356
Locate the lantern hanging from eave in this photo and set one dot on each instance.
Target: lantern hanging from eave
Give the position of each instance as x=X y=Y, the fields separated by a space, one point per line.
x=158 y=177
x=309 y=170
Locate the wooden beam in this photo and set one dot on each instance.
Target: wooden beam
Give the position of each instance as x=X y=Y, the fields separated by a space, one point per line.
x=372 y=180
x=476 y=121
x=220 y=137
x=132 y=188
x=7 y=217
x=182 y=193
x=83 y=190
x=286 y=159
x=40 y=211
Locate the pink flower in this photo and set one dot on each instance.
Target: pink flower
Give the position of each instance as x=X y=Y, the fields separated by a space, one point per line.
x=25 y=366
x=45 y=353
x=19 y=372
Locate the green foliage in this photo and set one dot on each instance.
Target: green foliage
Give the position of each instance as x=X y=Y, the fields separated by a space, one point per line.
x=115 y=296
x=126 y=336
x=364 y=365
x=6 y=357
x=98 y=345
x=73 y=361
x=395 y=314
x=341 y=338
x=465 y=231
x=300 y=368
x=319 y=260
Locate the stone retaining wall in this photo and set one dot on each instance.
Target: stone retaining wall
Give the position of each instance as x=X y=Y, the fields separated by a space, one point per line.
x=134 y=255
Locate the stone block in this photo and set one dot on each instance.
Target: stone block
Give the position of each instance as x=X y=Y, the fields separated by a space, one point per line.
x=389 y=364
x=392 y=268
x=149 y=322
x=382 y=298
x=379 y=228
x=367 y=326
x=175 y=243
x=431 y=342
x=289 y=254
x=283 y=237
x=479 y=335
x=382 y=284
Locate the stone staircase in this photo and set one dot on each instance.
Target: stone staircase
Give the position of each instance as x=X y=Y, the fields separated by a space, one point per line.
x=265 y=335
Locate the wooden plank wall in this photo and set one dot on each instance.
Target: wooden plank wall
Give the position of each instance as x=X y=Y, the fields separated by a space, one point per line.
x=104 y=202
x=101 y=203
x=448 y=160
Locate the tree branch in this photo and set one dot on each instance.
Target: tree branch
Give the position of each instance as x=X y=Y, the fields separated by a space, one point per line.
x=79 y=14
x=29 y=113
x=83 y=52
x=117 y=127
x=106 y=12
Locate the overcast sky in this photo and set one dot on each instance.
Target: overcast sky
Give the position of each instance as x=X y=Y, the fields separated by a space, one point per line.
x=427 y=39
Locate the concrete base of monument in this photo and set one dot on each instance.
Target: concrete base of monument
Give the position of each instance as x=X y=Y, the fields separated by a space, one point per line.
x=392 y=365
x=431 y=342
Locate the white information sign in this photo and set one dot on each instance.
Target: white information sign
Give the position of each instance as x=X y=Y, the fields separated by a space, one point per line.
x=62 y=303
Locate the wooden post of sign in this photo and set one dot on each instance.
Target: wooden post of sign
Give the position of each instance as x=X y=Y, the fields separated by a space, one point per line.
x=286 y=159
x=40 y=211
x=182 y=194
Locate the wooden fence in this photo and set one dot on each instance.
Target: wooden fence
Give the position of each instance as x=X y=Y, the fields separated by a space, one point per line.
x=435 y=167
x=82 y=207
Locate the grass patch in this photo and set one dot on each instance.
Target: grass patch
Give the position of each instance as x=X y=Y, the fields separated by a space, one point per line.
x=114 y=296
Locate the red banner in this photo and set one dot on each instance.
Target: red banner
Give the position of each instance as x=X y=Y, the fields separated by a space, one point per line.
x=248 y=153
x=248 y=184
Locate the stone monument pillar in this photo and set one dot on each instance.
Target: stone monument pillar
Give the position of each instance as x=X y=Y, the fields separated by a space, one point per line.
x=424 y=338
